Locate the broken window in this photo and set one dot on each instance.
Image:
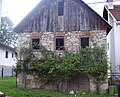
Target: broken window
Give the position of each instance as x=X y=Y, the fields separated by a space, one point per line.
x=61 y=8
x=35 y=43
x=59 y=43
x=84 y=42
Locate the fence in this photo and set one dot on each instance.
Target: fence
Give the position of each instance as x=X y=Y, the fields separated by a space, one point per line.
x=6 y=71
x=114 y=79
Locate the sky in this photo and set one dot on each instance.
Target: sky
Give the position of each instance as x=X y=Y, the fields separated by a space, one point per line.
x=16 y=10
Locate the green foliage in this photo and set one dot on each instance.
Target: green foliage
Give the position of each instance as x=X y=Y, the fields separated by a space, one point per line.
x=88 y=61
x=7 y=36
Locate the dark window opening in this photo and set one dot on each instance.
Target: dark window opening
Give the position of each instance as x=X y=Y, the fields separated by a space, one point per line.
x=61 y=8
x=108 y=46
x=35 y=43
x=16 y=54
x=12 y=55
x=6 y=54
x=59 y=43
x=105 y=14
x=84 y=42
x=119 y=67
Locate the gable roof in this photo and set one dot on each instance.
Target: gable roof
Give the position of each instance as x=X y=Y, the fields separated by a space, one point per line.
x=22 y=23
x=115 y=12
x=109 y=26
x=29 y=14
x=6 y=46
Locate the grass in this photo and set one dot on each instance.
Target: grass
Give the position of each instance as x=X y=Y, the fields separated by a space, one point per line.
x=8 y=86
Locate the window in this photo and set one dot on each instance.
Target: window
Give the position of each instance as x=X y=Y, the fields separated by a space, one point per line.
x=6 y=54
x=108 y=46
x=59 y=43
x=12 y=55
x=35 y=43
x=119 y=67
x=84 y=42
x=60 y=8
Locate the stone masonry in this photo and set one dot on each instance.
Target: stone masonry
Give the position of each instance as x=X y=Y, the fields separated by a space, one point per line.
x=71 y=39
x=71 y=44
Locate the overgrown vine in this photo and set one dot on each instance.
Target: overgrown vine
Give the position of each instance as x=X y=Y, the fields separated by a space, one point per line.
x=56 y=68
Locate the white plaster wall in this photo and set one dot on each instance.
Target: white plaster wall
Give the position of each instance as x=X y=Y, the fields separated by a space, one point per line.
x=7 y=61
x=111 y=49
x=111 y=41
x=117 y=48
x=0 y=9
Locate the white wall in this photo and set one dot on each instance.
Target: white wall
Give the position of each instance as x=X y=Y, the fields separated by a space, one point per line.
x=113 y=39
x=111 y=49
x=7 y=61
x=117 y=47
x=0 y=9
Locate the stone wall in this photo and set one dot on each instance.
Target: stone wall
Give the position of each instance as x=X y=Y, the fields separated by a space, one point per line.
x=71 y=44
x=81 y=83
x=103 y=84
x=71 y=39
x=23 y=39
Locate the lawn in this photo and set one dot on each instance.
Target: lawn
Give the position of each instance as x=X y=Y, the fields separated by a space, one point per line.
x=8 y=86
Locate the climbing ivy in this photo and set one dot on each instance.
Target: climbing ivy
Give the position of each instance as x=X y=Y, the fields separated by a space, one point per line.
x=56 y=68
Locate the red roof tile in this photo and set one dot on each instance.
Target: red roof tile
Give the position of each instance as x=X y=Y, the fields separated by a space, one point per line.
x=116 y=12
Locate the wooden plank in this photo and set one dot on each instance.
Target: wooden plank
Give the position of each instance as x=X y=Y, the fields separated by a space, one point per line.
x=77 y=17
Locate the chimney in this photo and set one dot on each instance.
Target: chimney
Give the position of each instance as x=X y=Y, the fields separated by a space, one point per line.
x=110 y=4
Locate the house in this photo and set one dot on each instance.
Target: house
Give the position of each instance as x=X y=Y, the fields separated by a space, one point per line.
x=71 y=24
x=7 y=60
x=112 y=15
x=0 y=9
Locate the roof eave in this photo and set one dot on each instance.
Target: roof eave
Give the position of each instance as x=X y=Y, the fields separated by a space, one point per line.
x=6 y=46
x=23 y=20
x=109 y=26
x=42 y=1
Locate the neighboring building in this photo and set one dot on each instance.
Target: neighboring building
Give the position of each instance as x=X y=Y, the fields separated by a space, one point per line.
x=0 y=9
x=112 y=15
x=7 y=59
x=71 y=24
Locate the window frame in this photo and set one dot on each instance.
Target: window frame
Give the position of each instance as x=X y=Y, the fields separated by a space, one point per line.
x=12 y=55
x=81 y=41
x=37 y=44
x=59 y=47
x=108 y=46
x=6 y=54
x=61 y=8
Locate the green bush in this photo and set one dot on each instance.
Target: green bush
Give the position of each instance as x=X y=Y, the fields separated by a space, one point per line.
x=87 y=60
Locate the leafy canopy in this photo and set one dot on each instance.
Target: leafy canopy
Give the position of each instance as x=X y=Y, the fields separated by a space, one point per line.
x=7 y=36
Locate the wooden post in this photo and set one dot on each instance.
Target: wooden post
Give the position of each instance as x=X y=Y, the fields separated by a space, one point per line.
x=12 y=72
x=2 y=72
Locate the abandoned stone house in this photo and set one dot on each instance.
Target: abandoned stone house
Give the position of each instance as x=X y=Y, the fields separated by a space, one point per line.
x=57 y=23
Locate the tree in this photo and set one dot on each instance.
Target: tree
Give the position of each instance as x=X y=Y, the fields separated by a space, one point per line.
x=7 y=36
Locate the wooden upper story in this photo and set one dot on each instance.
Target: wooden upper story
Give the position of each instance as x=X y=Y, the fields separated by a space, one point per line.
x=62 y=15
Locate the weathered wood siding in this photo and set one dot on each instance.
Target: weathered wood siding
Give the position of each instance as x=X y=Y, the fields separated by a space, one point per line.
x=77 y=16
